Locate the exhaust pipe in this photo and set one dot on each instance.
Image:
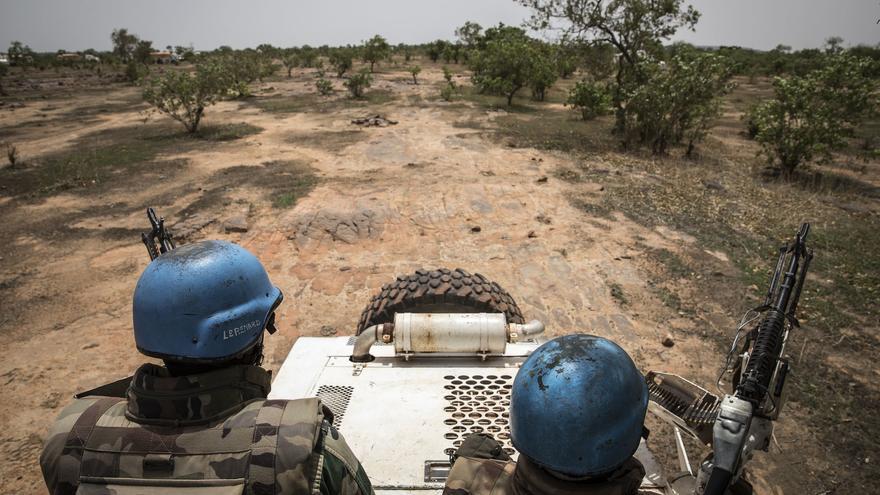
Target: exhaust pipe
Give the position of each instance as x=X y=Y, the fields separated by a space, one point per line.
x=481 y=334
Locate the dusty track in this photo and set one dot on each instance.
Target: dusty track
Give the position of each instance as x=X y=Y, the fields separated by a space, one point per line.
x=423 y=193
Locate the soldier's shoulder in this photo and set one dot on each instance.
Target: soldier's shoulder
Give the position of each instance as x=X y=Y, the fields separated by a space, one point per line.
x=56 y=439
x=478 y=476
x=342 y=467
x=68 y=416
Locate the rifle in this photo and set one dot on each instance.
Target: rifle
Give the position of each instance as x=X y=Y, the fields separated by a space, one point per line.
x=159 y=239
x=742 y=421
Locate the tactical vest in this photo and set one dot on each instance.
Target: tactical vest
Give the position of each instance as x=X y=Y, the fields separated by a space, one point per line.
x=268 y=447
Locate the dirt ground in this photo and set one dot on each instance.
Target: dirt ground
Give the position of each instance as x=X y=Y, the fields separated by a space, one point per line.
x=333 y=211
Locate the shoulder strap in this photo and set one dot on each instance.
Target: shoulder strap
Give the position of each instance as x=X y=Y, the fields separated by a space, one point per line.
x=119 y=388
x=71 y=456
x=261 y=471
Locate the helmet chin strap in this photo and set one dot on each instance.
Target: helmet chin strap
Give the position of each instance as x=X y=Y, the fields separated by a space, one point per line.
x=270 y=324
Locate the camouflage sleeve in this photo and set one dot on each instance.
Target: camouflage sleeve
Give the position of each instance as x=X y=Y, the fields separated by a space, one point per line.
x=52 y=462
x=342 y=473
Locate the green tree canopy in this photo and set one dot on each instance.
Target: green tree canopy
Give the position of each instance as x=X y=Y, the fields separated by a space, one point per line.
x=124 y=43
x=376 y=49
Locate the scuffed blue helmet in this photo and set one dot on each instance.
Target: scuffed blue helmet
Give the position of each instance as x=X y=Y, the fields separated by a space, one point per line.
x=202 y=302
x=578 y=406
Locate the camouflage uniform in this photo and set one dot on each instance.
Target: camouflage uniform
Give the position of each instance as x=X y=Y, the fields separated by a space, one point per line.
x=209 y=433
x=484 y=473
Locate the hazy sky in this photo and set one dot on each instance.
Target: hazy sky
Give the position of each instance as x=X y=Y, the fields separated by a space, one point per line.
x=47 y=25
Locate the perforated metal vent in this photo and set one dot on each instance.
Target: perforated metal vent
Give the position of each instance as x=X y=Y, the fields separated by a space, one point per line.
x=351 y=340
x=336 y=398
x=477 y=404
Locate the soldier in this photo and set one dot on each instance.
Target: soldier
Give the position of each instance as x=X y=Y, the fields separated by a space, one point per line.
x=577 y=416
x=201 y=423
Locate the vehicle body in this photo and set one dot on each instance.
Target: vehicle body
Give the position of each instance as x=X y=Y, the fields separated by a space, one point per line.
x=404 y=413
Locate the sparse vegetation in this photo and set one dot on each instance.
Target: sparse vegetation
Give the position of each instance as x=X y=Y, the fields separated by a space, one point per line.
x=324 y=87
x=679 y=101
x=358 y=83
x=11 y=154
x=3 y=71
x=815 y=114
x=375 y=50
x=184 y=96
x=506 y=63
x=590 y=98
x=289 y=60
x=341 y=60
x=635 y=28
x=415 y=71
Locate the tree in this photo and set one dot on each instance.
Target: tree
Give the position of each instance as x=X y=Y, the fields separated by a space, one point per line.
x=590 y=98
x=506 y=63
x=324 y=86
x=3 y=70
x=469 y=34
x=636 y=28
x=142 y=51
x=19 y=53
x=342 y=60
x=184 y=52
x=183 y=96
x=680 y=100
x=815 y=114
x=834 y=45
x=565 y=58
x=415 y=71
x=451 y=53
x=376 y=49
x=448 y=91
x=307 y=56
x=544 y=70
x=289 y=60
x=358 y=83
x=435 y=49
x=124 y=43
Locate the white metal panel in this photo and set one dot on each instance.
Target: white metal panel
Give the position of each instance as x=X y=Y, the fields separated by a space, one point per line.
x=400 y=413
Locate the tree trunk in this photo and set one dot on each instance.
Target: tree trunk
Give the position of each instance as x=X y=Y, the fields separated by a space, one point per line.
x=371 y=66
x=194 y=124
x=289 y=70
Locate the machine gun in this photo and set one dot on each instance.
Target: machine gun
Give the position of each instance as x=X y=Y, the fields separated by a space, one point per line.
x=159 y=239
x=742 y=421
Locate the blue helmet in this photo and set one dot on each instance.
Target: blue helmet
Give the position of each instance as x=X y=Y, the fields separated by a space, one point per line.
x=203 y=302
x=578 y=406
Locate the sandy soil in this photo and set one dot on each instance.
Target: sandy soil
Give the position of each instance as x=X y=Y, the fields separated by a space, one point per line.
x=423 y=193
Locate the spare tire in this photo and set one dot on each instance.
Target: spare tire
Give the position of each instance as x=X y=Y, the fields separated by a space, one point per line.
x=439 y=291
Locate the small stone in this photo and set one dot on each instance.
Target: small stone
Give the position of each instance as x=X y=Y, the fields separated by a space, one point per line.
x=668 y=342
x=476 y=229
x=90 y=345
x=327 y=330
x=344 y=268
x=532 y=234
x=236 y=224
x=542 y=180
x=713 y=185
x=52 y=400
x=543 y=219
